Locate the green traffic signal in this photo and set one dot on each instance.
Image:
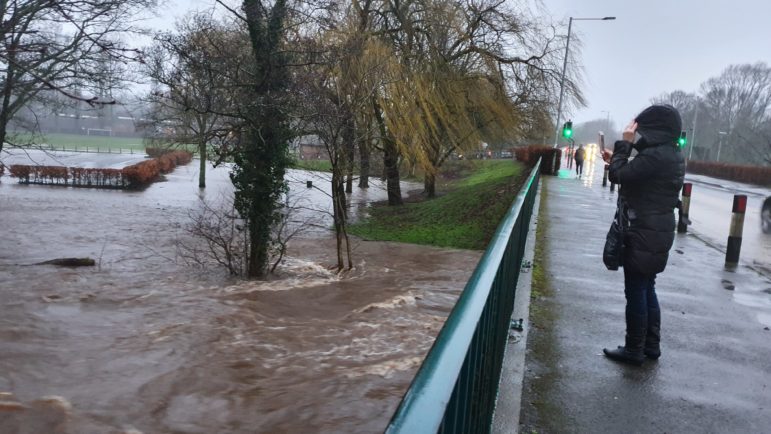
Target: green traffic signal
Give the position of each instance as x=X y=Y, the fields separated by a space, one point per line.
x=567 y=130
x=682 y=140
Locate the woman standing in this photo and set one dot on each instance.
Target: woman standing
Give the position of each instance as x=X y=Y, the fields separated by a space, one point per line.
x=650 y=188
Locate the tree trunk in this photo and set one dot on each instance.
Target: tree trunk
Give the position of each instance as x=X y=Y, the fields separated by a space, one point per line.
x=259 y=239
x=339 y=214
x=429 y=184
x=70 y=262
x=5 y=117
x=364 y=153
x=391 y=160
x=350 y=150
x=202 y=169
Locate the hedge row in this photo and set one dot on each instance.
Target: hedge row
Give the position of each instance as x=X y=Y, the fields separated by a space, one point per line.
x=732 y=172
x=157 y=152
x=135 y=176
x=529 y=155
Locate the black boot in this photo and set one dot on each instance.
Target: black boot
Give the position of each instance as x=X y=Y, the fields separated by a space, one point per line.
x=632 y=352
x=653 y=337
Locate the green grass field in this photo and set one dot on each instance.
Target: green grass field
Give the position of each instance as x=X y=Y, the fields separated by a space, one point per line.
x=75 y=142
x=78 y=142
x=479 y=194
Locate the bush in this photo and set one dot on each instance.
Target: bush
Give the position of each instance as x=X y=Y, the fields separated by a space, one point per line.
x=21 y=172
x=138 y=175
x=141 y=174
x=529 y=155
x=732 y=172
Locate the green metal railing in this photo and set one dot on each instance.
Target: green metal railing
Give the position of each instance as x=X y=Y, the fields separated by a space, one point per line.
x=455 y=388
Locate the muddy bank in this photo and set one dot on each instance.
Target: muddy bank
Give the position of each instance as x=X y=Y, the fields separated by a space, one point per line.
x=144 y=342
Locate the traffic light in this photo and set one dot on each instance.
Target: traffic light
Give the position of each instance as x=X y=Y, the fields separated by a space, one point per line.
x=567 y=130
x=682 y=140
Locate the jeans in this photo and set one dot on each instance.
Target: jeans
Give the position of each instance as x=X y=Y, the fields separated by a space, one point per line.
x=640 y=291
x=579 y=167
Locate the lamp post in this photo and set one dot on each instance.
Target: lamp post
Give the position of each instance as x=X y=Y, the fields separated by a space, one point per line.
x=720 y=144
x=607 y=121
x=693 y=129
x=564 y=69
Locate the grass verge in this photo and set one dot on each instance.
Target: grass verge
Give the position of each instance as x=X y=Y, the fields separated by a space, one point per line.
x=315 y=165
x=480 y=193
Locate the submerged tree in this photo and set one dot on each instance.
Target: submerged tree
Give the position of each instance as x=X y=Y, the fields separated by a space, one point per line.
x=261 y=157
x=335 y=90
x=193 y=101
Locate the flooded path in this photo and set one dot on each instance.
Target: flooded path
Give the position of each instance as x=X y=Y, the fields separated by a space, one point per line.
x=145 y=343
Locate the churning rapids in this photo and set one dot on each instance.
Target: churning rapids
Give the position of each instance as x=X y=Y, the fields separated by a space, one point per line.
x=143 y=343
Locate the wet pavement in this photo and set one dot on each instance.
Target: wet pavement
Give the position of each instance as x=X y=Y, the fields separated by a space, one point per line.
x=715 y=372
x=144 y=343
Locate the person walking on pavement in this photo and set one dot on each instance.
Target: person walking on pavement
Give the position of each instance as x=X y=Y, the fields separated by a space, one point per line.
x=579 y=156
x=650 y=188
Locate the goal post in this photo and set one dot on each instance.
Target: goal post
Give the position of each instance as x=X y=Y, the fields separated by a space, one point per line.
x=102 y=132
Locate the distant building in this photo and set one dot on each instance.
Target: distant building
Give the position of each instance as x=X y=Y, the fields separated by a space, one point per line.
x=309 y=148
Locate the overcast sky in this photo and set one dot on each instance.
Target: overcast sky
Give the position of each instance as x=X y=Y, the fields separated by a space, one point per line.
x=656 y=46
x=653 y=46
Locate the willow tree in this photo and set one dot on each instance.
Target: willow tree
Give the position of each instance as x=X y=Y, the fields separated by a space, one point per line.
x=465 y=71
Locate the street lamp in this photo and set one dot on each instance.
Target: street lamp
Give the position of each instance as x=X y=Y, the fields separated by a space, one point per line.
x=720 y=144
x=564 y=68
x=607 y=121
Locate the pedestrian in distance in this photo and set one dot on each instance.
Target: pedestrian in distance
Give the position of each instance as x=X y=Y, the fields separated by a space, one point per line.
x=650 y=188
x=579 y=156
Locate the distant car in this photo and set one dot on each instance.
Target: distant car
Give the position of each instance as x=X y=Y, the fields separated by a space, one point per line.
x=765 y=215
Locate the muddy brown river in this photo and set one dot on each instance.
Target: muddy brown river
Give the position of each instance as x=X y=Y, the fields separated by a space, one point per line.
x=143 y=343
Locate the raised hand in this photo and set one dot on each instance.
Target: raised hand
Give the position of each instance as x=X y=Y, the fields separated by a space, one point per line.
x=629 y=132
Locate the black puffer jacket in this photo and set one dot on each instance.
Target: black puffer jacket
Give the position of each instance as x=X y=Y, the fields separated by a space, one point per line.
x=650 y=186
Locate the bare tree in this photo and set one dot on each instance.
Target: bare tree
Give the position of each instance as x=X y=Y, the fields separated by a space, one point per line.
x=193 y=101
x=218 y=237
x=588 y=132
x=738 y=104
x=50 y=46
x=333 y=91
x=731 y=113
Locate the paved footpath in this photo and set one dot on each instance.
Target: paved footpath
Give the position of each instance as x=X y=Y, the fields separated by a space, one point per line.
x=715 y=372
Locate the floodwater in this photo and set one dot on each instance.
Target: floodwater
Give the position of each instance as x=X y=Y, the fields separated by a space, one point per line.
x=144 y=343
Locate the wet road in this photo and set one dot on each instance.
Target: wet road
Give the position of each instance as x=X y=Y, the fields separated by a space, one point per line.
x=144 y=342
x=711 y=204
x=710 y=212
